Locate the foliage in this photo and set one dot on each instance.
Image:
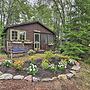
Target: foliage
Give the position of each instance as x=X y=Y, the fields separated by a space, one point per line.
x=71 y=61
x=48 y=54
x=36 y=56
x=3 y=57
x=62 y=65
x=32 y=69
x=7 y=63
x=1 y=30
x=73 y=49
x=45 y=64
x=31 y=52
x=53 y=67
x=18 y=64
x=60 y=56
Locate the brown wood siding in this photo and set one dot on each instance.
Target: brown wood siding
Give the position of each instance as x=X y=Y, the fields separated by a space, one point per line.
x=29 y=33
x=30 y=30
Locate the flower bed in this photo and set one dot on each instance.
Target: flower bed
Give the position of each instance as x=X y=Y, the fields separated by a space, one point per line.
x=50 y=66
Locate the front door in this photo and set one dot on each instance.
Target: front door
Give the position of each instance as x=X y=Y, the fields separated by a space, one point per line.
x=36 y=41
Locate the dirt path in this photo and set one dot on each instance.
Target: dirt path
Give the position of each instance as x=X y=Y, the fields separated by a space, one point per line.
x=25 y=85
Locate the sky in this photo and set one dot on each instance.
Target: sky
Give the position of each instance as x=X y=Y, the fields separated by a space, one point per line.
x=32 y=1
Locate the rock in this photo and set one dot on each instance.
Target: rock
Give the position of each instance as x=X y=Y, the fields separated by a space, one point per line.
x=69 y=75
x=73 y=72
x=1 y=73
x=62 y=76
x=76 y=68
x=0 y=63
x=54 y=78
x=46 y=79
x=18 y=77
x=77 y=63
x=36 y=79
x=6 y=76
x=29 y=78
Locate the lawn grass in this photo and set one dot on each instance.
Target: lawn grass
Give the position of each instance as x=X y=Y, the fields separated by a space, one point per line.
x=82 y=78
x=39 y=56
x=30 y=57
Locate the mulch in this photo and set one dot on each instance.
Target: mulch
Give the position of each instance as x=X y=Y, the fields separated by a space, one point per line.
x=26 y=85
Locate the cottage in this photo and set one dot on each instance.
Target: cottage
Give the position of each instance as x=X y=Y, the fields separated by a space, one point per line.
x=32 y=35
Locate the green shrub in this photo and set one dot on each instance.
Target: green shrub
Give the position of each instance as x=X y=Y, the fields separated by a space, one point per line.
x=7 y=63
x=53 y=67
x=73 y=49
x=48 y=54
x=32 y=69
x=45 y=64
x=61 y=68
x=60 y=56
x=71 y=61
x=36 y=56
x=62 y=65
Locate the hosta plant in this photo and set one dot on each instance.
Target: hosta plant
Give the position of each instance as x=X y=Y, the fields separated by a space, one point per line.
x=32 y=69
x=62 y=65
x=48 y=54
x=7 y=63
x=53 y=67
x=71 y=61
x=45 y=64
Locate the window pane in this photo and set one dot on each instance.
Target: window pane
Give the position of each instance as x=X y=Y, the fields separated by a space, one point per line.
x=36 y=45
x=22 y=35
x=44 y=38
x=50 y=39
x=14 y=35
x=36 y=38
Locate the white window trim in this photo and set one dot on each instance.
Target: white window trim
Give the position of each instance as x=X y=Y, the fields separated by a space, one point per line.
x=36 y=42
x=36 y=31
x=18 y=34
x=11 y=34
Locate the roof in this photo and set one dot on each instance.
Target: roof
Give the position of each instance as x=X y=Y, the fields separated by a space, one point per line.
x=29 y=23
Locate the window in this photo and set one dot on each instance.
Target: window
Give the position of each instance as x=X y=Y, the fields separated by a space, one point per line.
x=36 y=37
x=37 y=45
x=36 y=40
x=22 y=35
x=14 y=35
x=44 y=38
x=18 y=35
x=50 y=39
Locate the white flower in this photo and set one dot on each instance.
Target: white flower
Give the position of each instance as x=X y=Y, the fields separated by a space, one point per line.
x=30 y=69
x=35 y=66
x=34 y=69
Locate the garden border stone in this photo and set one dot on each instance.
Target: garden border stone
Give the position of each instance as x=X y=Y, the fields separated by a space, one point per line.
x=46 y=79
x=72 y=72
x=6 y=76
x=1 y=73
x=18 y=77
